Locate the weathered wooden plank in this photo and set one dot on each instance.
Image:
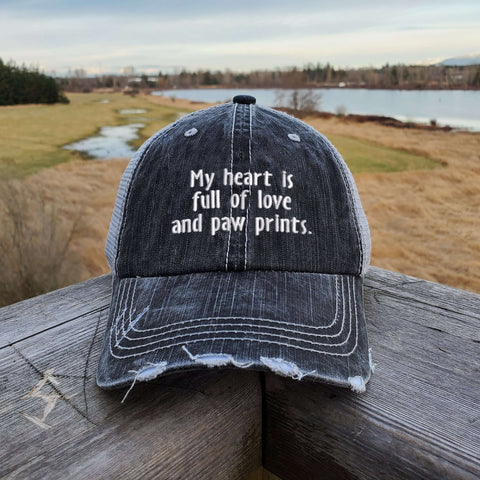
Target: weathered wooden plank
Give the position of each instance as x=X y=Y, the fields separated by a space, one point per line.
x=458 y=306
x=420 y=417
x=56 y=423
x=262 y=474
x=38 y=314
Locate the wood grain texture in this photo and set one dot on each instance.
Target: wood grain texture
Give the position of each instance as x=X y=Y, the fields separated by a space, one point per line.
x=40 y=313
x=420 y=417
x=56 y=423
x=262 y=474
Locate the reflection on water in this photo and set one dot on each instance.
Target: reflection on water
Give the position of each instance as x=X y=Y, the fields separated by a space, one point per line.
x=131 y=111
x=457 y=108
x=111 y=142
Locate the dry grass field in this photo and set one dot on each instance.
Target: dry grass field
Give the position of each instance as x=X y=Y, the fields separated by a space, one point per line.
x=424 y=222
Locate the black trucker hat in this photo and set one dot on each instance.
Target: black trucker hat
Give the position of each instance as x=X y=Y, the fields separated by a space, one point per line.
x=237 y=240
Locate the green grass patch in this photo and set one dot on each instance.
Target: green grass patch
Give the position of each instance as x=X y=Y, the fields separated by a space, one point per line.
x=363 y=156
x=32 y=136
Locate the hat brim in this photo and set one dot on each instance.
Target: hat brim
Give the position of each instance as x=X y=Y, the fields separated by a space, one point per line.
x=301 y=325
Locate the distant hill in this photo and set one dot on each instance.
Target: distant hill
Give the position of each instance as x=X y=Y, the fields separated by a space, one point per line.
x=461 y=61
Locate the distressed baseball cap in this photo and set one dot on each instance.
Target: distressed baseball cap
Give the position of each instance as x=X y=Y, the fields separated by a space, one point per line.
x=237 y=240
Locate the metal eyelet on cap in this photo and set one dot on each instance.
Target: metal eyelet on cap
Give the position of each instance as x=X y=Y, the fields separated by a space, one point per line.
x=191 y=132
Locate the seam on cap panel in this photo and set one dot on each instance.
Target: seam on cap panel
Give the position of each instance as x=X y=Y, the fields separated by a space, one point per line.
x=269 y=270
x=249 y=187
x=231 y=186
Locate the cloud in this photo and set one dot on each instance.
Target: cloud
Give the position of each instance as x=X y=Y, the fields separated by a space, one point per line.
x=241 y=35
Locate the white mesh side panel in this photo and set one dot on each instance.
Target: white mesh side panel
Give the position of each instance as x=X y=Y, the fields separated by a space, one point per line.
x=116 y=221
x=360 y=219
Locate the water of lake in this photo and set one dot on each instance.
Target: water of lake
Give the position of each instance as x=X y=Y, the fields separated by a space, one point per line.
x=131 y=111
x=110 y=142
x=457 y=108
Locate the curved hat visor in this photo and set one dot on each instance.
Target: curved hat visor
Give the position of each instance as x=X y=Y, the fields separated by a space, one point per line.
x=301 y=325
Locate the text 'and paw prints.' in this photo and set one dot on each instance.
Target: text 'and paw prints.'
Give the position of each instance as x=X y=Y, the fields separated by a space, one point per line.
x=205 y=197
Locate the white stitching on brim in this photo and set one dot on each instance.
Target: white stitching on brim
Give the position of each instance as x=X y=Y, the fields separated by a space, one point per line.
x=183 y=322
x=271 y=342
x=124 y=332
x=132 y=328
x=132 y=323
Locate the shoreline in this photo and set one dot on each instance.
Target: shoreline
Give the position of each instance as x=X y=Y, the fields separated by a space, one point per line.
x=309 y=87
x=424 y=115
x=348 y=117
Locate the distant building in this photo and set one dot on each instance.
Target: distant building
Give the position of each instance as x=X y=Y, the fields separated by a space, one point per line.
x=142 y=81
x=133 y=80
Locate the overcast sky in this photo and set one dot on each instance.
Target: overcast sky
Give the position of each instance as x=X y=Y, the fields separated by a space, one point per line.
x=105 y=36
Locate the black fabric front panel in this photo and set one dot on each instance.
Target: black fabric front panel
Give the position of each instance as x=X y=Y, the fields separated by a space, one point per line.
x=160 y=193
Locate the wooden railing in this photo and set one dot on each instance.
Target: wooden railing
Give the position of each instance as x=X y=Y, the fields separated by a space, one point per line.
x=419 y=419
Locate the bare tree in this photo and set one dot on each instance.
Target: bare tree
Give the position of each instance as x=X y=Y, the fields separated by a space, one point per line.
x=35 y=242
x=298 y=100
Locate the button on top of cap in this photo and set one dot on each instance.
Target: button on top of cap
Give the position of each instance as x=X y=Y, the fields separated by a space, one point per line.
x=246 y=99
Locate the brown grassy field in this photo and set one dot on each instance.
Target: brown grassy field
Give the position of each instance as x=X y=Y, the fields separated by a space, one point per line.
x=423 y=223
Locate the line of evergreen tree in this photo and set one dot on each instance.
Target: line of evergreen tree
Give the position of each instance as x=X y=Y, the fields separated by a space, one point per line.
x=20 y=85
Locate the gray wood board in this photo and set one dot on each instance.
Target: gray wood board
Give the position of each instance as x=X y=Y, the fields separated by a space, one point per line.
x=420 y=416
x=40 y=313
x=205 y=424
